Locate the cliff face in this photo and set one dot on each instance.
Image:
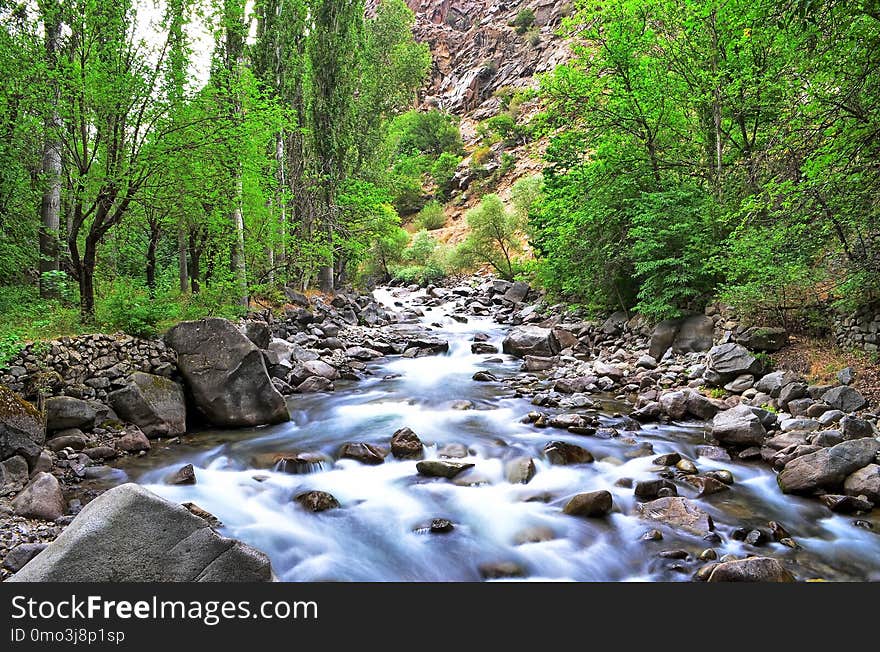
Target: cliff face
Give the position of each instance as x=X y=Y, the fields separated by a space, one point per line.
x=476 y=51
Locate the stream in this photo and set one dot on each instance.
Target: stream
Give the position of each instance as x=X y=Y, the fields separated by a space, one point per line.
x=382 y=532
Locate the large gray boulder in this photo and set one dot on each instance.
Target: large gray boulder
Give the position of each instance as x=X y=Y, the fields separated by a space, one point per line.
x=226 y=374
x=864 y=482
x=740 y=426
x=827 y=468
x=129 y=534
x=728 y=361
x=683 y=335
x=155 y=404
x=63 y=412
x=531 y=340
x=21 y=428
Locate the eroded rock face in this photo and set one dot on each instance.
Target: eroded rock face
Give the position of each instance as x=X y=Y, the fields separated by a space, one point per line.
x=129 y=534
x=475 y=50
x=226 y=374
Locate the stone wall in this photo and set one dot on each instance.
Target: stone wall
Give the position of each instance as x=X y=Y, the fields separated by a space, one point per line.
x=86 y=367
x=859 y=330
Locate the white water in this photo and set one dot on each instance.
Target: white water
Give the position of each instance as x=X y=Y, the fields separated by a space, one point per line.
x=375 y=536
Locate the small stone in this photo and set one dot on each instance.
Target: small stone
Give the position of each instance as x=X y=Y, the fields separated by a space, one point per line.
x=22 y=554
x=520 y=470
x=484 y=377
x=708 y=554
x=651 y=489
x=705 y=485
x=753 y=569
x=561 y=453
x=756 y=538
x=317 y=501
x=441 y=526
x=652 y=535
x=673 y=554
x=41 y=499
x=405 y=444
x=501 y=570
x=363 y=453
x=687 y=467
x=442 y=468
x=185 y=475
x=670 y=459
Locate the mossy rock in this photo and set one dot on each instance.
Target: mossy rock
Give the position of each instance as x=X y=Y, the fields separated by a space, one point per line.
x=22 y=429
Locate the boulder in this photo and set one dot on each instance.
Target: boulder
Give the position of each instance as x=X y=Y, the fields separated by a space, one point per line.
x=760 y=338
x=683 y=335
x=864 y=482
x=321 y=369
x=517 y=292
x=406 y=445
x=740 y=426
x=753 y=569
x=773 y=383
x=531 y=340
x=155 y=404
x=854 y=428
x=520 y=470
x=728 y=361
x=22 y=554
x=67 y=412
x=21 y=428
x=317 y=501
x=129 y=534
x=844 y=398
x=655 y=488
x=561 y=453
x=590 y=505
x=133 y=441
x=827 y=468
x=257 y=332
x=678 y=513
x=363 y=453
x=226 y=374
x=315 y=384
x=42 y=498
x=442 y=468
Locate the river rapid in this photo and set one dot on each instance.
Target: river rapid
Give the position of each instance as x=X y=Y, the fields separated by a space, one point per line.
x=382 y=530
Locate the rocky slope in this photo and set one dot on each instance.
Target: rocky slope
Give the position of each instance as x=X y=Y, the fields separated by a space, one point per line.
x=476 y=51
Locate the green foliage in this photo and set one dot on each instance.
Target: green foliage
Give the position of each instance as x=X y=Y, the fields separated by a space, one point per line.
x=425 y=132
x=431 y=217
x=493 y=237
x=443 y=173
x=130 y=309
x=524 y=21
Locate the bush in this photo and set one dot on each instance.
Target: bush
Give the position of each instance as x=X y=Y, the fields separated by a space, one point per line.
x=480 y=156
x=443 y=173
x=431 y=217
x=130 y=309
x=524 y=21
x=430 y=132
x=493 y=238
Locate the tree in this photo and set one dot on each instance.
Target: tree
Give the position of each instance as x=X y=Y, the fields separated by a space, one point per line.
x=494 y=237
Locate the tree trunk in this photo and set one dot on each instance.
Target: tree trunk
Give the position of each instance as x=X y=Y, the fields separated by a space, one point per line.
x=87 y=282
x=182 y=270
x=239 y=264
x=195 y=257
x=50 y=208
x=155 y=233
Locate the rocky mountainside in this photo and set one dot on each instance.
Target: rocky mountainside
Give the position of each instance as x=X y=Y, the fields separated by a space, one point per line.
x=476 y=49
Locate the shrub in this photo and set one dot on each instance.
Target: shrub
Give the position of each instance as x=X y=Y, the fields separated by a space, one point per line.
x=431 y=217
x=130 y=309
x=425 y=132
x=533 y=37
x=524 y=20
x=443 y=173
x=493 y=238
x=480 y=156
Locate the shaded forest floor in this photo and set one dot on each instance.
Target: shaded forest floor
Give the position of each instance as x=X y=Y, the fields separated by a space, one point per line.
x=819 y=360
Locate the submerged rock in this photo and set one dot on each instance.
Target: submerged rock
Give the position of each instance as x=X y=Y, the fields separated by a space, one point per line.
x=406 y=445
x=678 y=513
x=317 y=501
x=442 y=468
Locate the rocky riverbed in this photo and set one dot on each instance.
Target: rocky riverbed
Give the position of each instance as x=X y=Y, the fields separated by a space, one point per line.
x=538 y=443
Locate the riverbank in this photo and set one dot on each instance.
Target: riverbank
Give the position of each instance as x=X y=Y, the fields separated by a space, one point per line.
x=561 y=429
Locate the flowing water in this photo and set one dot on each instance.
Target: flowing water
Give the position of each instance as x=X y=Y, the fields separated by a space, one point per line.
x=381 y=533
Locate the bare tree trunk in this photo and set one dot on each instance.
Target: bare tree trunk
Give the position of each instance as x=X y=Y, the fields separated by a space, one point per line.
x=155 y=233
x=239 y=265
x=182 y=269
x=50 y=208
